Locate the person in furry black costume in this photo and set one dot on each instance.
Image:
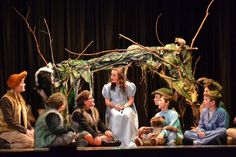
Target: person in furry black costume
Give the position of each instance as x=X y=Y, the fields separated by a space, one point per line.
x=43 y=90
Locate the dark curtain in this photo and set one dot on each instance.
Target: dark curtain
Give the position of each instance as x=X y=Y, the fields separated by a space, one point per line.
x=75 y=23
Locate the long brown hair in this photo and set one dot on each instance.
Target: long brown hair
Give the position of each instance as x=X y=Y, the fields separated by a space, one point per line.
x=121 y=77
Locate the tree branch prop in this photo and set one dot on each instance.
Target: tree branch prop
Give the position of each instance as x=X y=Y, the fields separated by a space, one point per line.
x=98 y=53
x=50 y=41
x=84 y=49
x=82 y=53
x=147 y=49
x=157 y=31
x=121 y=50
x=203 y=21
x=33 y=34
x=154 y=52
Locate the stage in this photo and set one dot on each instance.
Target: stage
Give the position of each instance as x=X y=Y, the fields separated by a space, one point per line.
x=146 y=151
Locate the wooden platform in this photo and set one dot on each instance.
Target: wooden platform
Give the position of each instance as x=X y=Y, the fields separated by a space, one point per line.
x=152 y=151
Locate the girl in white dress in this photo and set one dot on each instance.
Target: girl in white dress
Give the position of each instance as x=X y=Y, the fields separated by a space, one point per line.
x=121 y=114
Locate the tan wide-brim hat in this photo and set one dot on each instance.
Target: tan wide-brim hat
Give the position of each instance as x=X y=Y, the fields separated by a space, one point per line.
x=15 y=79
x=207 y=81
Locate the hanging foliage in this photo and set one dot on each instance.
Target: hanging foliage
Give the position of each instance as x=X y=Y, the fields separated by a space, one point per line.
x=177 y=72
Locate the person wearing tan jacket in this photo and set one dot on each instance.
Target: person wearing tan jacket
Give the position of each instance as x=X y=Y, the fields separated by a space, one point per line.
x=14 y=125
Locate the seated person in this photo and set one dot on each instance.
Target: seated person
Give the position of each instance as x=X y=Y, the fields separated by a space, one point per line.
x=171 y=119
x=15 y=129
x=49 y=127
x=43 y=90
x=148 y=135
x=211 y=85
x=231 y=132
x=212 y=124
x=121 y=110
x=85 y=119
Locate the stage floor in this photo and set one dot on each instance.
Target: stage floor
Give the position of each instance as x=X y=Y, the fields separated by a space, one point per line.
x=146 y=151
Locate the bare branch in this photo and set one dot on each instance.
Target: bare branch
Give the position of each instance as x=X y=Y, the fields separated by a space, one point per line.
x=84 y=49
x=157 y=31
x=154 y=52
x=27 y=15
x=33 y=34
x=98 y=53
x=157 y=55
x=203 y=21
x=82 y=53
x=50 y=40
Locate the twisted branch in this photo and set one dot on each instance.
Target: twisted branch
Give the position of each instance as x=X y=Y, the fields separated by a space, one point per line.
x=98 y=53
x=84 y=49
x=154 y=52
x=33 y=33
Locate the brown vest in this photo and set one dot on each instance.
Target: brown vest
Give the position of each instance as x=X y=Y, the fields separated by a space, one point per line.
x=19 y=109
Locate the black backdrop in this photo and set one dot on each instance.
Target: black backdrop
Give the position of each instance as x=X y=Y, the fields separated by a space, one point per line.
x=74 y=23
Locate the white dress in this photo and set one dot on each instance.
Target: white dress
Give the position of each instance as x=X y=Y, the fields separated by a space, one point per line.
x=124 y=123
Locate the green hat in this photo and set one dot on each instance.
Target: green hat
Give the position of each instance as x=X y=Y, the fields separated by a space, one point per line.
x=163 y=91
x=213 y=93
